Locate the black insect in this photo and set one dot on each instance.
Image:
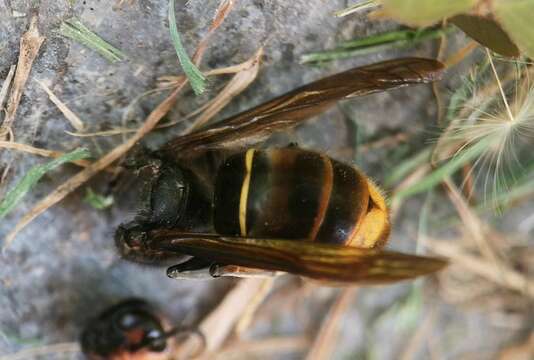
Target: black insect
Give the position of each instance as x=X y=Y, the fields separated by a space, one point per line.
x=241 y=210
x=131 y=329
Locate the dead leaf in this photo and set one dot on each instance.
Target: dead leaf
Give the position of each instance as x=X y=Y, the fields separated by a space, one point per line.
x=487 y=32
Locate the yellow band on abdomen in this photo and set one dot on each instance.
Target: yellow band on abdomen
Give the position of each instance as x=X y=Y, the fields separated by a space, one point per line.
x=244 y=192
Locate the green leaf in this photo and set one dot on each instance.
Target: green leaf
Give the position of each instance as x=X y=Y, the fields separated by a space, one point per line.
x=74 y=29
x=424 y=12
x=487 y=32
x=33 y=176
x=97 y=201
x=196 y=78
x=516 y=16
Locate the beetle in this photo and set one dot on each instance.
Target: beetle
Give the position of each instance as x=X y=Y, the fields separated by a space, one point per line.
x=131 y=329
x=239 y=210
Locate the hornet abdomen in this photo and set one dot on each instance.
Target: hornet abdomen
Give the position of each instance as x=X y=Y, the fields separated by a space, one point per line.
x=292 y=193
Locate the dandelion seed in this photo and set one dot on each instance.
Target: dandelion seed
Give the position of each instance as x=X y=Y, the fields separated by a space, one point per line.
x=503 y=121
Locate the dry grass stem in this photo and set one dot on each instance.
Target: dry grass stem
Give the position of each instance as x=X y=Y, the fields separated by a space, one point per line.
x=74 y=120
x=112 y=132
x=44 y=350
x=30 y=44
x=222 y=11
x=421 y=333
x=461 y=54
x=250 y=310
x=168 y=81
x=468 y=189
x=48 y=153
x=503 y=276
x=38 y=151
x=258 y=348
x=5 y=85
x=239 y=82
x=220 y=322
x=475 y=227
x=325 y=342
x=385 y=142
x=411 y=179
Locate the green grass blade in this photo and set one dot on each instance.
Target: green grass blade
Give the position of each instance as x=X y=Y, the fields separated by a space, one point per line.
x=97 y=201
x=75 y=30
x=196 y=78
x=446 y=170
x=33 y=176
x=376 y=43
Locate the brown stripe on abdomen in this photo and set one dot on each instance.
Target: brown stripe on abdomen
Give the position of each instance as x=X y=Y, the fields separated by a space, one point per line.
x=348 y=203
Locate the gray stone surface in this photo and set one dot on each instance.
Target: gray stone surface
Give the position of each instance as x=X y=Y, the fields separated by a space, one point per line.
x=63 y=268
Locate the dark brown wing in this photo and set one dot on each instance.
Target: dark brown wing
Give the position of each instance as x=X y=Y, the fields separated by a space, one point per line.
x=300 y=104
x=326 y=262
